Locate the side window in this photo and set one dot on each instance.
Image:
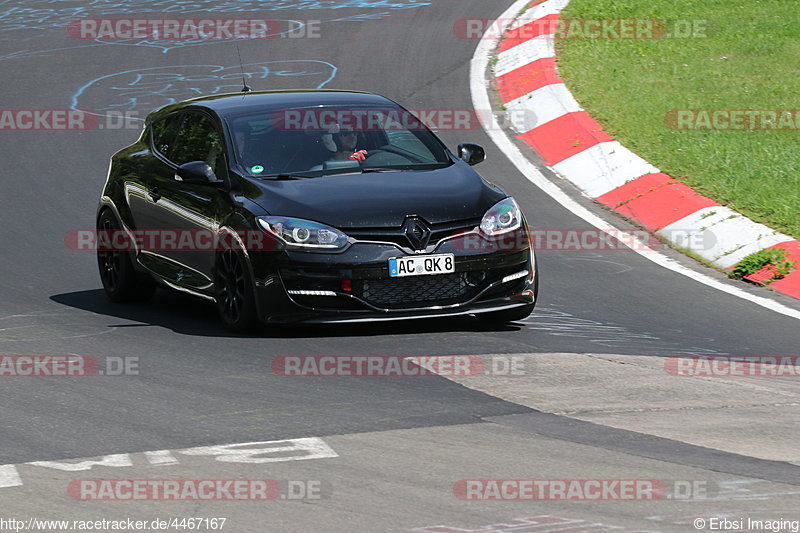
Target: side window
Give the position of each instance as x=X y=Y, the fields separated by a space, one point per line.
x=198 y=140
x=165 y=131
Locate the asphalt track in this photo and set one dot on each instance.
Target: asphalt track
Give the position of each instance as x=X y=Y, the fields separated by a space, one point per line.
x=401 y=442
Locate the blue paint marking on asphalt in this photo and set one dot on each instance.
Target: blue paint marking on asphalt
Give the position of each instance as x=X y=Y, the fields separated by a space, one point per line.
x=293 y=27
x=145 y=89
x=37 y=15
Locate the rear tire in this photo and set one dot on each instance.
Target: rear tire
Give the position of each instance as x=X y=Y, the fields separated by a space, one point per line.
x=121 y=281
x=233 y=285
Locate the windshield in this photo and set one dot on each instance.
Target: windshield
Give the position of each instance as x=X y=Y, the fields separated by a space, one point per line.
x=320 y=140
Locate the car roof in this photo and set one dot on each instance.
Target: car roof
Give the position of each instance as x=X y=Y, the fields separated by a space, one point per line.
x=242 y=103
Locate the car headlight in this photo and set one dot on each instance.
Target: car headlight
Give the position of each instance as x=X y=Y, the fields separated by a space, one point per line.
x=303 y=233
x=504 y=216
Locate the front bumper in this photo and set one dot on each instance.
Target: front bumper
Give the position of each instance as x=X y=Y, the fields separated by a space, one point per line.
x=355 y=286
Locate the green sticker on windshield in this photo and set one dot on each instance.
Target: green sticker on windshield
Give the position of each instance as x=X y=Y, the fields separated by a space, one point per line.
x=256 y=169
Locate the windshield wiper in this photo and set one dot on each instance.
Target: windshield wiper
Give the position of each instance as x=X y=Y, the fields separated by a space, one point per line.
x=403 y=168
x=288 y=176
x=379 y=169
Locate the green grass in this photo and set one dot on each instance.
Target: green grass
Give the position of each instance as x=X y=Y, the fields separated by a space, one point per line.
x=750 y=59
x=755 y=262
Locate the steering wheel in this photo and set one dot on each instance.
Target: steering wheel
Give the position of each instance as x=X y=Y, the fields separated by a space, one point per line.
x=390 y=156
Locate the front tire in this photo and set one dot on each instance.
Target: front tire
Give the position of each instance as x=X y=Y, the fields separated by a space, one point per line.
x=233 y=284
x=121 y=281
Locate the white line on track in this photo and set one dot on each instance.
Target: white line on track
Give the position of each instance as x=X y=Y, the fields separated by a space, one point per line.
x=246 y=452
x=480 y=100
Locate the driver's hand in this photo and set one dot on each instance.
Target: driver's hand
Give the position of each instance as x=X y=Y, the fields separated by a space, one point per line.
x=359 y=156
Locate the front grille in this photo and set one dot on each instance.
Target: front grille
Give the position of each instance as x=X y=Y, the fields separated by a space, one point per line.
x=396 y=235
x=417 y=291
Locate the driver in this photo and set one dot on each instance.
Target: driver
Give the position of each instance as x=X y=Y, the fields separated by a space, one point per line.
x=247 y=151
x=343 y=141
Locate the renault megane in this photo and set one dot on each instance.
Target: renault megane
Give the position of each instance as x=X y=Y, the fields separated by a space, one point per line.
x=314 y=206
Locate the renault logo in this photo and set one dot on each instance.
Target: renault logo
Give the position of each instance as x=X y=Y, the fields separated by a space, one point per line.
x=417 y=232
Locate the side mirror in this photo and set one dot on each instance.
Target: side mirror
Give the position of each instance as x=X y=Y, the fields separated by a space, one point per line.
x=196 y=172
x=470 y=153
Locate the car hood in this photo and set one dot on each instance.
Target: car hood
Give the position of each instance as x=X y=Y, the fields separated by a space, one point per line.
x=382 y=199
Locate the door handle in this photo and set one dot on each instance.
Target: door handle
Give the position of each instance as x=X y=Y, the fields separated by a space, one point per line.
x=154 y=194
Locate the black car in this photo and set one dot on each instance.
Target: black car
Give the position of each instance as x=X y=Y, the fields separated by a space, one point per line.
x=289 y=206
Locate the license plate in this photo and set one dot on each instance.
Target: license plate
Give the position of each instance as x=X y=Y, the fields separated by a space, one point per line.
x=421 y=265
